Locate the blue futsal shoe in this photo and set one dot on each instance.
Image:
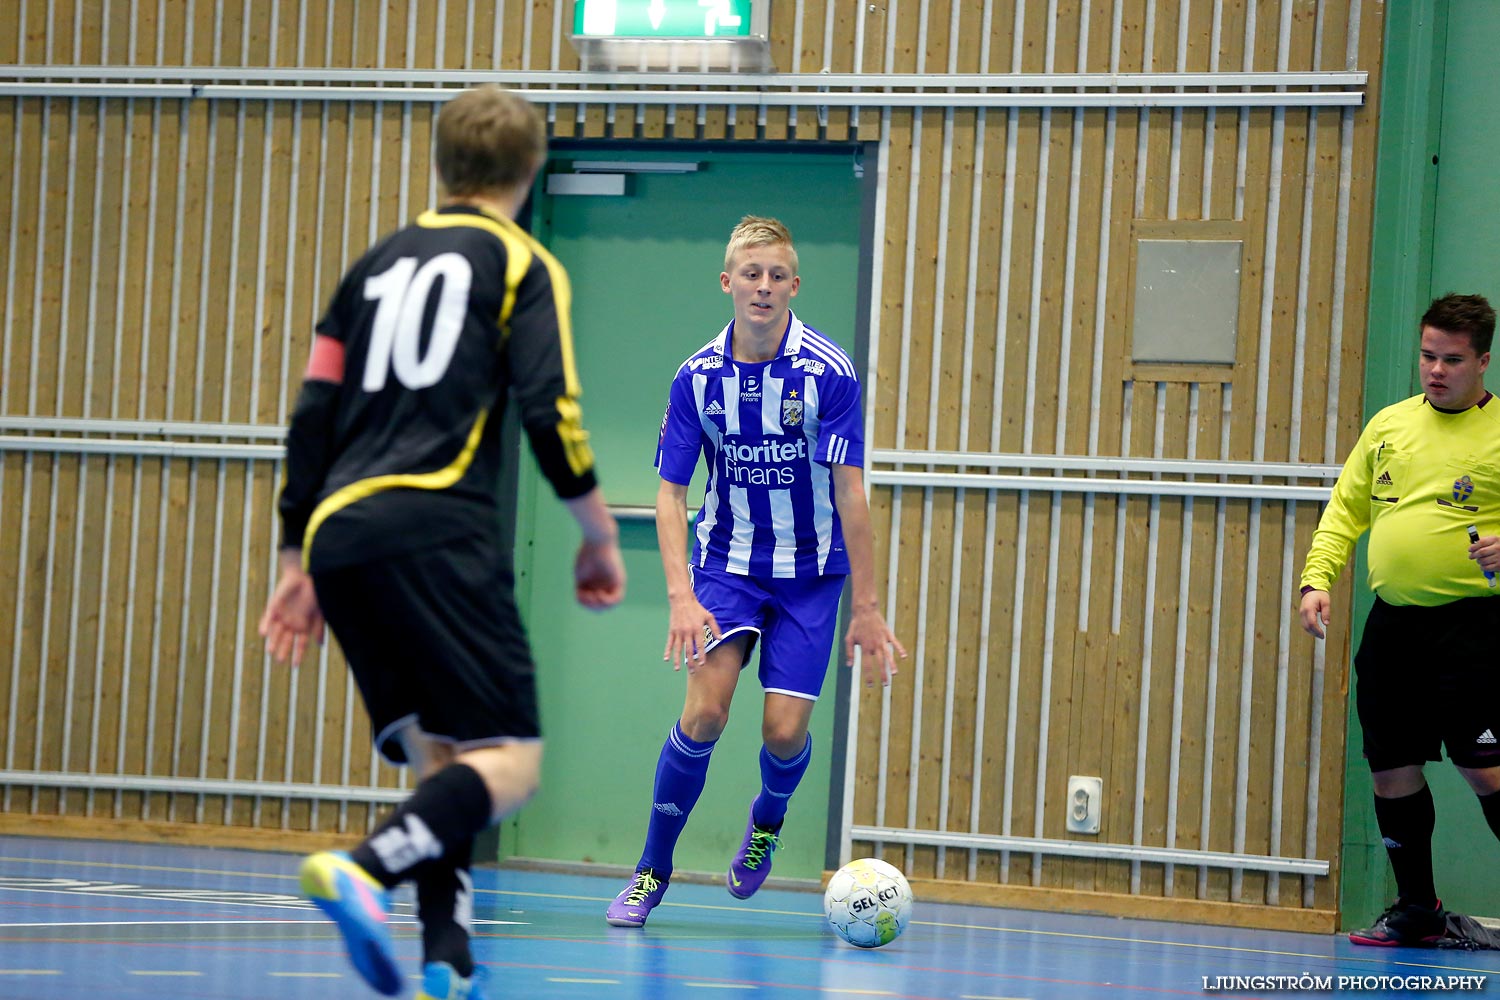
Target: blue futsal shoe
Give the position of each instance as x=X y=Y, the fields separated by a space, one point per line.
x=440 y=981
x=748 y=871
x=358 y=904
x=636 y=901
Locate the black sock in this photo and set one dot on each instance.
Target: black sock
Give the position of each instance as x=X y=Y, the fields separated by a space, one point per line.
x=1491 y=805
x=442 y=815
x=1406 y=824
x=445 y=906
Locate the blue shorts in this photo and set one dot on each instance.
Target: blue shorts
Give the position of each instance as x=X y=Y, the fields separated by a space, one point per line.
x=794 y=618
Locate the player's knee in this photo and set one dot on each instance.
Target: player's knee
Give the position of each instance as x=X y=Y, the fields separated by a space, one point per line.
x=784 y=740
x=512 y=774
x=705 y=724
x=1483 y=780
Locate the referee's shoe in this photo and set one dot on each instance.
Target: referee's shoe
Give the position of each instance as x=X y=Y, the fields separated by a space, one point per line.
x=1404 y=925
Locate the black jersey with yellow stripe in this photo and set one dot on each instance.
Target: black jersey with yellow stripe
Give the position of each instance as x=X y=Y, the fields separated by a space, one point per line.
x=442 y=322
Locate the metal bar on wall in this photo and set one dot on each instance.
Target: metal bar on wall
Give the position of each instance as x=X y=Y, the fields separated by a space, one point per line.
x=202 y=786
x=535 y=78
x=1218 y=98
x=1081 y=849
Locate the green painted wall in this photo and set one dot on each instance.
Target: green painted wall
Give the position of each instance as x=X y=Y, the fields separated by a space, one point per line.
x=1436 y=202
x=645 y=271
x=1466 y=258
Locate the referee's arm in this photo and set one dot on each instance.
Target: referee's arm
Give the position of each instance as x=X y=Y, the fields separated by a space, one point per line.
x=1346 y=517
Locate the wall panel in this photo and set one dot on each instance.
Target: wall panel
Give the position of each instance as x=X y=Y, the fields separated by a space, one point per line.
x=164 y=259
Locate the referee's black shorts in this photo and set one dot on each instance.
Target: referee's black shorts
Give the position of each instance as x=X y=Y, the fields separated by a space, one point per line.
x=1429 y=677
x=434 y=637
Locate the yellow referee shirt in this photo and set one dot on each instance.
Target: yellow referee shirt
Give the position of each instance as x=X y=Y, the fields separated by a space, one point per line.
x=1416 y=479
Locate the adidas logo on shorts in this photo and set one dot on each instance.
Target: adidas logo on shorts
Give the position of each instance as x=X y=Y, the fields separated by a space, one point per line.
x=1384 y=480
x=1488 y=736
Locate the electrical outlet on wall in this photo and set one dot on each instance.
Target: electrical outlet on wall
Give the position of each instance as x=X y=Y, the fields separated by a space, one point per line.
x=1085 y=799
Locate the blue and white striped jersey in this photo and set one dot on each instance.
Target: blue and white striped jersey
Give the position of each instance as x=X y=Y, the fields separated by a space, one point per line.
x=769 y=432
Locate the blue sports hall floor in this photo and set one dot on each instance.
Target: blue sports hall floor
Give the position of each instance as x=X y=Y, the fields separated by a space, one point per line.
x=84 y=920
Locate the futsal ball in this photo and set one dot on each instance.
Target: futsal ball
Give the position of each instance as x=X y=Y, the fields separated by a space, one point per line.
x=868 y=903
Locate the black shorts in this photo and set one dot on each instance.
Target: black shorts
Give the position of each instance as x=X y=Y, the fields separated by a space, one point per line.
x=1429 y=677
x=435 y=638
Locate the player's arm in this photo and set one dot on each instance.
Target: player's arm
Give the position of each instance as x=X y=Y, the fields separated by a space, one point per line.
x=868 y=630
x=539 y=343
x=1346 y=517
x=690 y=626
x=292 y=614
x=598 y=568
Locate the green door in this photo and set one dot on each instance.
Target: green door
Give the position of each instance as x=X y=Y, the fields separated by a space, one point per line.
x=645 y=272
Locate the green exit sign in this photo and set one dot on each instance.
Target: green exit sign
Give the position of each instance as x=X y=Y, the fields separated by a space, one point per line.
x=663 y=18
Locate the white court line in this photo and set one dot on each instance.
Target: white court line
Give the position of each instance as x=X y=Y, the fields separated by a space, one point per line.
x=308 y=975
x=723 y=986
x=30 y=972
x=164 y=972
x=163 y=923
x=584 y=982
x=295 y=905
x=300 y=906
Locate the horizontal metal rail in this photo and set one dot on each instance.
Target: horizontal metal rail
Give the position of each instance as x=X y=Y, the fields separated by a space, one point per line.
x=889 y=477
x=1104 y=463
x=202 y=786
x=635 y=512
x=1231 y=98
x=1091 y=484
x=579 y=78
x=162 y=428
x=142 y=449
x=1081 y=849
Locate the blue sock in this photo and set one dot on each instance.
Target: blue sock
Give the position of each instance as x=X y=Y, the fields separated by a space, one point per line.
x=680 y=773
x=778 y=780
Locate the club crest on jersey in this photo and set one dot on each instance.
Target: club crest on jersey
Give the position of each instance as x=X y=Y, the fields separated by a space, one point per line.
x=812 y=365
x=708 y=363
x=791 y=412
x=1463 y=488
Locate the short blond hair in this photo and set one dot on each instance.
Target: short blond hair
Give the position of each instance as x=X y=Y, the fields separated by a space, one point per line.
x=758 y=231
x=488 y=140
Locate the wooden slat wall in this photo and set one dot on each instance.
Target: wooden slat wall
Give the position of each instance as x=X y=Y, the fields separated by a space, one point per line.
x=1168 y=680
x=163 y=258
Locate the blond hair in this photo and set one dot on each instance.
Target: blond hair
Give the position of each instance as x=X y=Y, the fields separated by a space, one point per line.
x=757 y=231
x=488 y=140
